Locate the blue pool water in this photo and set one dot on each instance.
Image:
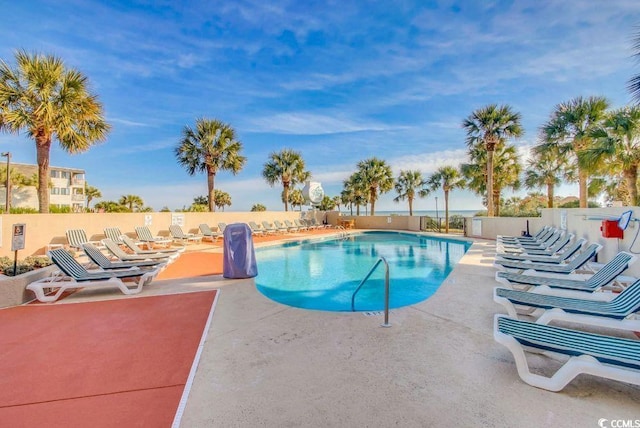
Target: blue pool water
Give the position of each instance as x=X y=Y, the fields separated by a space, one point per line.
x=323 y=274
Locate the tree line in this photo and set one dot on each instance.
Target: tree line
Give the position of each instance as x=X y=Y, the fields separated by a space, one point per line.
x=583 y=141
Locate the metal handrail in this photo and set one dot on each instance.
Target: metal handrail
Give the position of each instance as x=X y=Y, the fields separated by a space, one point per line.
x=386 y=289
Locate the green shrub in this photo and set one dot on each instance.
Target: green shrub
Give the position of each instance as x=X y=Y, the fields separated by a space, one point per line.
x=28 y=264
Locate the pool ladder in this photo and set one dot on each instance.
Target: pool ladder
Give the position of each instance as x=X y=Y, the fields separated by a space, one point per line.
x=386 y=289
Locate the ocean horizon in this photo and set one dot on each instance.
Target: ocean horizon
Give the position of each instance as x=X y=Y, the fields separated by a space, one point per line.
x=417 y=213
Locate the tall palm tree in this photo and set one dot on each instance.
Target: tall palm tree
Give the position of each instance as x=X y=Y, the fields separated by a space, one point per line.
x=408 y=185
x=506 y=174
x=377 y=177
x=545 y=170
x=209 y=148
x=617 y=142
x=570 y=129
x=133 y=202
x=49 y=101
x=447 y=178
x=91 y=193
x=286 y=167
x=490 y=126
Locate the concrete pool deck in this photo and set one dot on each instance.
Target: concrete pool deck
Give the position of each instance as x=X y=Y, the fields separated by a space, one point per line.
x=269 y=365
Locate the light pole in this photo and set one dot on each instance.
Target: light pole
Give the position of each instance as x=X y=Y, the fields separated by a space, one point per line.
x=7 y=206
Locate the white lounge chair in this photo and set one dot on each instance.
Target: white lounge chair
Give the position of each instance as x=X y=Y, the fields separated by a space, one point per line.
x=145 y=235
x=256 y=229
x=598 y=355
x=179 y=236
x=578 y=262
x=619 y=312
x=77 y=237
x=208 y=233
x=603 y=277
x=74 y=275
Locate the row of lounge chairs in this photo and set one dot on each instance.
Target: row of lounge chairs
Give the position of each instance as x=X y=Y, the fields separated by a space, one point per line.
x=77 y=237
x=109 y=264
x=565 y=286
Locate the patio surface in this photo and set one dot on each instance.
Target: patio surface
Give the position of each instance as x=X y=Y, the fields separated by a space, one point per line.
x=269 y=365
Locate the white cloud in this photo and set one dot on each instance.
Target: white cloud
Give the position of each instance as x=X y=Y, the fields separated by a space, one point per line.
x=313 y=124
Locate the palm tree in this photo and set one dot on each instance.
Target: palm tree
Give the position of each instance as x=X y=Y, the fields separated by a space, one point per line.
x=570 y=130
x=337 y=200
x=617 y=142
x=131 y=201
x=377 y=177
x=634 y=83
x=91 y=193
x=490 y=126
x=353 y=192
x=296 y=198
x=258 y=207
x=447 y=178
x=221 y=199
x=506 y=174
x=286 y=167
x=545 y=170
x=408 y=185
x=210 y=147
x=50 y=102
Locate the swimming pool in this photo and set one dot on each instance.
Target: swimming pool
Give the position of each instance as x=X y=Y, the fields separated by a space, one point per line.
x=323 y=274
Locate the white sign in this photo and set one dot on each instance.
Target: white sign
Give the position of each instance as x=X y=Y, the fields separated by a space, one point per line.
x=17 y=236
x=148 y=219
x=177 y=219
x=563 y=220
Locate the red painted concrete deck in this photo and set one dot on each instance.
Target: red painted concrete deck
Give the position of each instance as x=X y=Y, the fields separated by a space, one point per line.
x=121 y=362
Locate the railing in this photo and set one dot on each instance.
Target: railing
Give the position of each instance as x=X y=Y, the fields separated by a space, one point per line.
x=386 y=289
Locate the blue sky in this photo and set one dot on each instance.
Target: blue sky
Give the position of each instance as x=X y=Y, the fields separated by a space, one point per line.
x=339 y=81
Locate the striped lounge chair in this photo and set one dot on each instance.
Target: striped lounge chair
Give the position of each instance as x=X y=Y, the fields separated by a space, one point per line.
x=554 y=249
x=145 y=235
x=556 y=259
x=620 y=312
x=179 y=236
x=119 y=253
x=571 y=266
x=103 y=262
x=77 y=237
x=74 y=275
x=609 y=357
x=604 y=276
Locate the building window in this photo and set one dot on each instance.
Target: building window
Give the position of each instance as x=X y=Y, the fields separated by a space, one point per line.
x=55 y=173
x=65 y=174
x=65 y=191
x=55 y=190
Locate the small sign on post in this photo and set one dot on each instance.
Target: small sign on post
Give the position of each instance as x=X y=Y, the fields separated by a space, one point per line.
x=17 y=238
x=17 y=242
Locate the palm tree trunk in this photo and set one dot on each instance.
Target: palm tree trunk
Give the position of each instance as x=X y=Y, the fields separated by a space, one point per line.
x=631 y=180
x=446 y=211
x=43 y=149
x=410 y=206
x=358 y=209
x=496 y=202
x=211 y=176
x=285 y=185
x=490 y=205
x=550 y=193
x=583 y=178
x=373 y=201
